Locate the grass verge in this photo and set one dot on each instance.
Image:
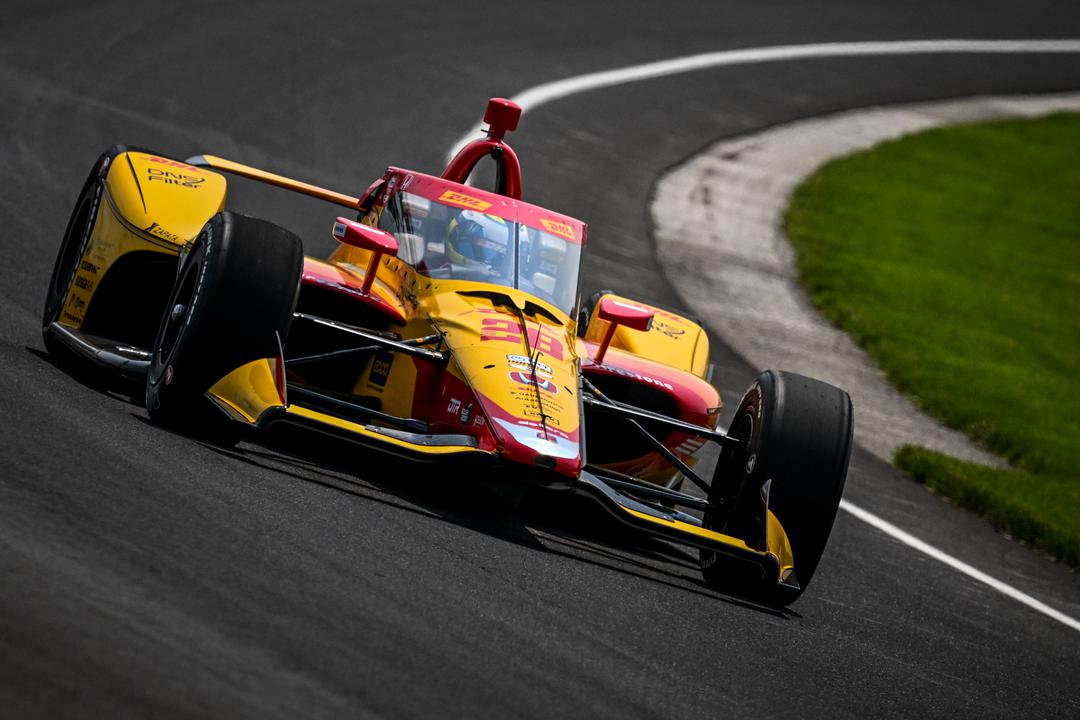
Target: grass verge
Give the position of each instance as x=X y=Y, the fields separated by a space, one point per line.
x=953 y=258
x=1037 y=509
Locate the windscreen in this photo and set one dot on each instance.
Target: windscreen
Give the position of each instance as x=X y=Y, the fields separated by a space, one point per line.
x=442 y=241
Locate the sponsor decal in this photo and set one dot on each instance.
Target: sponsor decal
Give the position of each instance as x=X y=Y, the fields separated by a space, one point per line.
x=170 y=177
x=670 y=316
x=558 y=228
x=380 y=368
x=541 y=382
x=406 y=182
x=550 y=420
x=478 y=421
x=462 y=200
x=505 y=329
x=466 y=414
x=89 y=267
x=454 y=407
x=640 y=377
x=83 y=283
x=665 y=329
x=530 y=401
x=173 y=163
x=158 y=231
x=520 y=362
x=533 y=425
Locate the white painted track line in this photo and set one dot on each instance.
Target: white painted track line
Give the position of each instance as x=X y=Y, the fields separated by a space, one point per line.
x=913 y=542
x=538 y=95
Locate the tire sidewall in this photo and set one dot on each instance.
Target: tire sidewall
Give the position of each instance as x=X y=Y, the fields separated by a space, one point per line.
x=168 y=374
x=78 y=231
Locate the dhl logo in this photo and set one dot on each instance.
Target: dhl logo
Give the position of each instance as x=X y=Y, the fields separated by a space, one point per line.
x=172 y=163
x=465 y=201
x=558 y=228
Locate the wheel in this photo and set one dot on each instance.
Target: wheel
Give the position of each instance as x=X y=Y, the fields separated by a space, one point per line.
x=798 y=434
x=73 y=247
x=233 y=299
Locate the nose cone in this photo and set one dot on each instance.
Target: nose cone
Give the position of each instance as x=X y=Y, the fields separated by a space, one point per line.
x=525 y=377
x=532 y=404
x=536 y=442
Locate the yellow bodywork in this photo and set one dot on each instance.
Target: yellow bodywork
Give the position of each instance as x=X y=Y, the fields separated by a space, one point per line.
x=373 y=433
x=249 y=390
x=489 y=351
x=672 y=340
x=486 y=340
x=164 y=198
x=148 y=203
x=398 y=390
x=778 y=544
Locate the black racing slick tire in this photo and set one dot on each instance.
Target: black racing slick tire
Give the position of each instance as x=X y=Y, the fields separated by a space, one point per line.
x=232 y=303
x=73 y=247
x=797 y=433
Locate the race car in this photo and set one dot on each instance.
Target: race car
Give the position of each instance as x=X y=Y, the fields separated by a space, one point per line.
x=447 y=327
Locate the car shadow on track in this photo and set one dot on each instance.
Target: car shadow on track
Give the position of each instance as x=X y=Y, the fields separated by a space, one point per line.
x=118 y=388
x=553 y=522
x=547 y=521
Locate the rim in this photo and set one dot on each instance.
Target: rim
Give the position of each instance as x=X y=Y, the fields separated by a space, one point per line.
x=733 y=459
x=173 y=326
x=731 y=465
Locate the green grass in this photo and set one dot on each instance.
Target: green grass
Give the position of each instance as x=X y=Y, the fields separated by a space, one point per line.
x=953 y=257
x=1036 y=508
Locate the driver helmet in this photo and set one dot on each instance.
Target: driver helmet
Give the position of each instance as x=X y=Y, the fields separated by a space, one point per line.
x=475 y=238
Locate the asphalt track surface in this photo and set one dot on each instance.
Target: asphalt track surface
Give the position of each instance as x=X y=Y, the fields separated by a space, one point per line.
x=144 y=574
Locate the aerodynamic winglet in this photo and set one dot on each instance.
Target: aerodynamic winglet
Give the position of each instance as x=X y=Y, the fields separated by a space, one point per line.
x=230 y=166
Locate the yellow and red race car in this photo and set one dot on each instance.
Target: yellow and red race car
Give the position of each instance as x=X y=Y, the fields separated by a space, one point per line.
x=446 y=326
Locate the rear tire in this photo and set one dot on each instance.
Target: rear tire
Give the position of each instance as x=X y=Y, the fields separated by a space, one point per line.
x=797 y=433
x=233 y=299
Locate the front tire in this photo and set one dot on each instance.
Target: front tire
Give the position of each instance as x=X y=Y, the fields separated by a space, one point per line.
x=797 y=432
x=232 y=302
x=73 y=247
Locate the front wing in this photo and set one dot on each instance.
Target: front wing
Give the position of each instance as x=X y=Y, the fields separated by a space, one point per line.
x=254 y=395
